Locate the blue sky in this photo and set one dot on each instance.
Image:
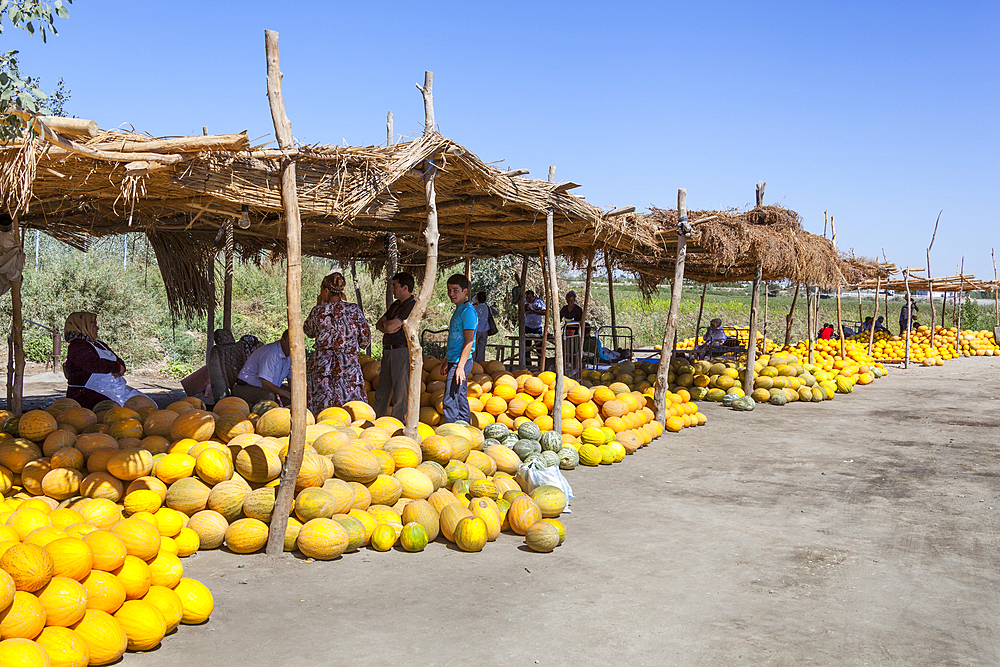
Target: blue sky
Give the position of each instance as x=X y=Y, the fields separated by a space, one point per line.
x=882 y=113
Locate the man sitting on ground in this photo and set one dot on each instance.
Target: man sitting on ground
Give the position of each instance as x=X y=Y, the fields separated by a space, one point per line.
x=264 y=372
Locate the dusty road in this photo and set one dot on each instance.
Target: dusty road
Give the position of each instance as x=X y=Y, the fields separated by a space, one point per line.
x=861 y=531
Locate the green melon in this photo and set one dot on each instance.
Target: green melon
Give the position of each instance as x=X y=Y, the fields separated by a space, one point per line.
x=496 y=431
x=263 y=406
x=551 y=441
x=551 y=458
x=529 y=431
x=525 y=447
x=568 y=458
x=778 y=399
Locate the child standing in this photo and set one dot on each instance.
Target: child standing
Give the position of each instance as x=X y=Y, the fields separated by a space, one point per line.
x=461 y=344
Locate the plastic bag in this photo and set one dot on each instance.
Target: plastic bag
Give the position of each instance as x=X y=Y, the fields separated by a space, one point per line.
x=534 y=473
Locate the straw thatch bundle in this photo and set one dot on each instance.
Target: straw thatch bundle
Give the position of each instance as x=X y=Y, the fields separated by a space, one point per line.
x=184 y=188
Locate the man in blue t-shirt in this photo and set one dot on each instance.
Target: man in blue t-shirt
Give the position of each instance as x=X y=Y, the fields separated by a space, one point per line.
x=461 y=345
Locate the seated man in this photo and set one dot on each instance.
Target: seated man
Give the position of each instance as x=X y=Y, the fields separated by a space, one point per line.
x=715 y=337
x=867 y=324
x=264 y=372
x=880 y=325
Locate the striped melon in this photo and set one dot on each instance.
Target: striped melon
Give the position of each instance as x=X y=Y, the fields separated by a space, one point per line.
x=550 y=499
x=314 y=503
x=423 y=513
x=66 y=457
x=353 y=464
x=471 y=534
x=30 y=566
x=275 y=423
x=436 y=472
x=343 y=494
x=142 y=623
x=62 y=483
x=141 y=538
x=259 y=503
x=228 y=425
x=506 y=460
x=130 y=464
x=385 y=490
x=214 y=466
x=88 y=443
x=169 y=604
x=542 y=536
x=232 y=404
x=71 y=557
x=487 y=510
x=153 y=484
x=195 y=424
x=246 y=536
x=523 y=513
x=227 y=498
x=57 y=440
x=36 y=425
x=451 y=514
x=257 y=463
x=355 y=530
x=64 y=601
x=188 y=495
x=414 y=483
x=210 y=526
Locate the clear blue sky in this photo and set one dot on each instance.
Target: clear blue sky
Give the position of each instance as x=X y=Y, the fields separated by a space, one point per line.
x=882 y=113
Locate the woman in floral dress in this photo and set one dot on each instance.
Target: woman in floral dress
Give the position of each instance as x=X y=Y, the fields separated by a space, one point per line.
x=340 y=331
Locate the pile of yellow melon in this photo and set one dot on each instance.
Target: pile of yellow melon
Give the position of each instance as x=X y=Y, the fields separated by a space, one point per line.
x=948 y=344
x=79 y=584
x=202 y=480
x=978 y=344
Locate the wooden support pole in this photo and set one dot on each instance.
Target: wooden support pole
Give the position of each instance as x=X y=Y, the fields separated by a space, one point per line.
x=522 y=357
x=861 y=315
x=468 y=268
x=357 y=296
x=550 y=247
x=840 y=325
x=996 y=290
x=791 y=317
x=961 y=298
x=411 y=327
x=701 y=309
x=810 y=329
x=391 y=246
x=930 y=281
x=15 y=398
x=871 y=333
x=909 y=318
x=752 y=338
x=548 y=308
x=296 y=338
x=211 y=308
x=227 y=286
x=611 y=298
x=767 y=291
x=669 y=333
x=586 y=292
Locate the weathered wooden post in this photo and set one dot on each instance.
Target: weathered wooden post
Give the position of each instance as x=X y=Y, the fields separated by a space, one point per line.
x=15 y=394
x=791 y=317
x=550 y=246
x=909 y=318
x=211 y=309
x=676 y=290
x=840 y=325
x=548 y=308
x=961 y=299
x=930 y=281
x=611 y=298
x=871 y=333
x=810 y=328
x=521 y=341
x=227 y=286
x=296 y=338
x=701 y=308
x=411 y=327
x=996 y=288
x=754 y=296
x=391 y=246
x=357 y=296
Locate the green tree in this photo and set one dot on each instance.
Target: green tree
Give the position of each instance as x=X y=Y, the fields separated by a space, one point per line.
x=18 y=91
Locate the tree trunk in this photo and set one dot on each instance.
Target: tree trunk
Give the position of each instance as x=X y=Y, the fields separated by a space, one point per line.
x=296 y=338
x=227 y=295
x=676 y=291
x=548 y=309
x=611 y=298
x=701 y=308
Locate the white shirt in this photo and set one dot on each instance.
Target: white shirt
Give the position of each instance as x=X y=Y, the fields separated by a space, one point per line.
x=268 y=362
x=534 y=320
x=483 y=311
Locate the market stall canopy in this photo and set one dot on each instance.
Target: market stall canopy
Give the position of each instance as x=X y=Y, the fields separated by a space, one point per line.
x=728 y=246
x=178 y=191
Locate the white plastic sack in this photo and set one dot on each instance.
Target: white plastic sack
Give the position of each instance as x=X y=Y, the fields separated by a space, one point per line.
x=534 y=473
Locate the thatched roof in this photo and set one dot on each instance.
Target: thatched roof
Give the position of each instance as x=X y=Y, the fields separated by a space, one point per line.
x=180 y=190
x=728 y=246
x=959 y=283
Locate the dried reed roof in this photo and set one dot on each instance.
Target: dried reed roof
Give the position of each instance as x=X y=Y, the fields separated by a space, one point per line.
x=959 y=283
x=728 y=246
x=180 y=190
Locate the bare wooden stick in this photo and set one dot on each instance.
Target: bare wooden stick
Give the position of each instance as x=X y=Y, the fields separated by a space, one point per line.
x=556 y=324
x=296 y=338
x=227 y=285
x=357 y=296
x=810 y=328
x=390 y=135
x=611 y=298
x=909 y=317
x=930 y=281
x=791 y=317
x=861 y=315
x=468 y=268
x=767 y=291
x=548 y=307
x=871 y=333
x=840 y=325
x=996 y=290
x=676 y=291
x=521 y=340
x=391 y=246
x=411 y=327
x=754 y=296
x=961 y=299
x=427 y=91
x=586 y=293
x=701 y=308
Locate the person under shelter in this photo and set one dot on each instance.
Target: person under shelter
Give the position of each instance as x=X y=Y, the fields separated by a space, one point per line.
x=264 y=372
x=394 y=371
x=93 y=372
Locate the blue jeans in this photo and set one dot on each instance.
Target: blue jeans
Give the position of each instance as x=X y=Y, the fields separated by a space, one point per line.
x=456 y=400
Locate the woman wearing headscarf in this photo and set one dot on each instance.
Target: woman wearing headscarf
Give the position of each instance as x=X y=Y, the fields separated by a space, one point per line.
x=93 y=372
x=340 y=330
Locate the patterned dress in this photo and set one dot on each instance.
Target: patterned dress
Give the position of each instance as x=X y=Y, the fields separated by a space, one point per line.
x=335 y=374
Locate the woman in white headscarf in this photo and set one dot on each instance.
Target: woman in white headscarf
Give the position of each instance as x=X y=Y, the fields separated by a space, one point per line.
x=93 y=372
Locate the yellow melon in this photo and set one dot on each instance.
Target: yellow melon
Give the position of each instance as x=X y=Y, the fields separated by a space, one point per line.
x=104 y=590
x=228 y=425
x=23 y=619
x=353 y=464
x=62 y=483
x=135 y=577
x=103 y=635
x=187 y=542
x=173 y=467
x=259 y=464
x=102 y=485
x=29 y=565
x=169 y=604
x=66 y=457
x=142 y=623
x=141 y=539
x=71 y=557
x=232 y=404
x=275 y=423
x=166 y=569
x=214 y=466
x=209 y=527
x=107 y=550
x=64 y=647
x=197 y=600
x=322 y=539
x=227 y=499
x=7 y=590
x=36 y=425
x=130 y=464
x=64 y=601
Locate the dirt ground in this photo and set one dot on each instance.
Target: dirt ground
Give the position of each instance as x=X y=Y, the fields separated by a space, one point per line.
x=861 y=531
